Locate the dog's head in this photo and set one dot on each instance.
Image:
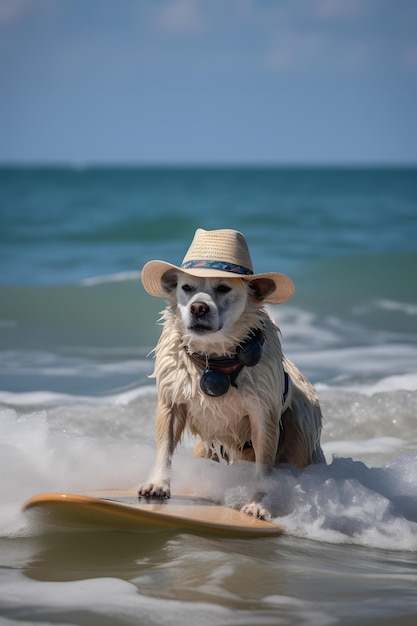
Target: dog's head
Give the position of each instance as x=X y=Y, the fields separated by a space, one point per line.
x=211 y=308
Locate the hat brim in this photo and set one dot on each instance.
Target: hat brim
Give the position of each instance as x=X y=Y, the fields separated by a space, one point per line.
x=153 y=272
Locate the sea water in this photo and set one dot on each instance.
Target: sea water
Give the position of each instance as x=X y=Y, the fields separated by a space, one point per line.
x=77 y=405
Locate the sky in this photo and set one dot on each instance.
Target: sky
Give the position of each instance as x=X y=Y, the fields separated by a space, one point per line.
x=208 y=81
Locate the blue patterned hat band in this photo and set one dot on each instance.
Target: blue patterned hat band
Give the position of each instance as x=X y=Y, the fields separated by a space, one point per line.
x=217 y=265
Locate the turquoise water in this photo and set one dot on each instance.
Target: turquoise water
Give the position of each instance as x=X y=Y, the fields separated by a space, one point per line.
x=64 y=225
x=77 y=406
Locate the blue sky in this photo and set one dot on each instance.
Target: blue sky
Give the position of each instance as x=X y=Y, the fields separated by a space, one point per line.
x=208 y=81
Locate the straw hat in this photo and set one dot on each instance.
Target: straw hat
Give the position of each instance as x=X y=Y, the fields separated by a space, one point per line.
x=217 y=254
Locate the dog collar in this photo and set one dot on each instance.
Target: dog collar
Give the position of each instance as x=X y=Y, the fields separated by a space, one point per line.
x=221 y=372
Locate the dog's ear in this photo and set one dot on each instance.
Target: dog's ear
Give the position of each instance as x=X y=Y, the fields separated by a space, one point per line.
x=261 y=288
x=169 y=281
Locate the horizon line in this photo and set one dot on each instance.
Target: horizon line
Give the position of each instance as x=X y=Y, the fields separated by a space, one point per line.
x=106 y=164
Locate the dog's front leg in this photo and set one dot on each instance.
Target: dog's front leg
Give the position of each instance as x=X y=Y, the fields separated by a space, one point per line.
x=170 y=422
x=265 y=435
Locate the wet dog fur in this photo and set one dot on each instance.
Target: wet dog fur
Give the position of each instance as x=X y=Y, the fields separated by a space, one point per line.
x=252 y=421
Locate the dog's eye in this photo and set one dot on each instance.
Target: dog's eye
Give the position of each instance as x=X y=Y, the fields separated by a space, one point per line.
x=187 y=288
x=223 y=289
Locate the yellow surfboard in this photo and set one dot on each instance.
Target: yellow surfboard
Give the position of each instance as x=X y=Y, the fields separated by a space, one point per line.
x=122 y=510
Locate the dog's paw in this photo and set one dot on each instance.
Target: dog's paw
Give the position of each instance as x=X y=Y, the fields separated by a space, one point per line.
x=154 y=490
x=255 y=509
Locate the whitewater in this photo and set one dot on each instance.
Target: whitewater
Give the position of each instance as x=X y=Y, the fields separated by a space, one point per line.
x=365 y=498
x=365 y=495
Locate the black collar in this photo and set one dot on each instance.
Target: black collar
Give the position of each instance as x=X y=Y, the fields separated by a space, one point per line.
x=221 y=372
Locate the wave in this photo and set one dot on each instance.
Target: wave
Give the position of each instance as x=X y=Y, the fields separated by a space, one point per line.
x=401 y=382
x=111 y=278
x=366 y=495
x=96 y=336
x=344 y=284
x=375 y=291
x=113 y=311
x=41 y=399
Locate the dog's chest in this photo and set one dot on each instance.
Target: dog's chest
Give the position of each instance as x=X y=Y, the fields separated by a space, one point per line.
x=223 y=418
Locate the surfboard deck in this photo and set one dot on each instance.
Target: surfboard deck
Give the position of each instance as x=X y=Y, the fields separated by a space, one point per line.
x=122 y=510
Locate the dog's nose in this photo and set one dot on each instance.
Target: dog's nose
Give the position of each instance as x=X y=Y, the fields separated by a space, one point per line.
x=199 y=309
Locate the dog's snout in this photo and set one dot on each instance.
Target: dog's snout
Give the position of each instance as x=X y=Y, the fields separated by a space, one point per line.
x=199 y=309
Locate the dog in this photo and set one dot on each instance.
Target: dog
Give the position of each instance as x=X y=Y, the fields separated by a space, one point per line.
x=220 y=371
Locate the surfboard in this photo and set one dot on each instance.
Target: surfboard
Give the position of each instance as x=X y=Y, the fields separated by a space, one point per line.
x=123 y=510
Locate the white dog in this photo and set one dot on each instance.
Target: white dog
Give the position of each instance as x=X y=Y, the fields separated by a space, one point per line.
x=219 y=366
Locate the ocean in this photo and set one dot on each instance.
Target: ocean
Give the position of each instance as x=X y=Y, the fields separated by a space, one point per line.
x=77 y=404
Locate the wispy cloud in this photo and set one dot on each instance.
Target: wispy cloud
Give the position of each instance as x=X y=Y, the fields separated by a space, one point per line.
x=340 y=9
x=332 y=35
x=180 y=17
x=410 y=57
x=293 y=50
x=12 y=10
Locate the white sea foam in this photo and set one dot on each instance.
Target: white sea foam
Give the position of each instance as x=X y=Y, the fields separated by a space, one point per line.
x=400 y=382
x=392 y=383
x=107 y=600
x=37 y=456
x=110 y=278
x=359 y=448
x=76 y=444
x=344 y=502
x=399 y=307
x=373 y=360
x=347 y=502
x=51 y=365
x=39 y=398
x=341 y=352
